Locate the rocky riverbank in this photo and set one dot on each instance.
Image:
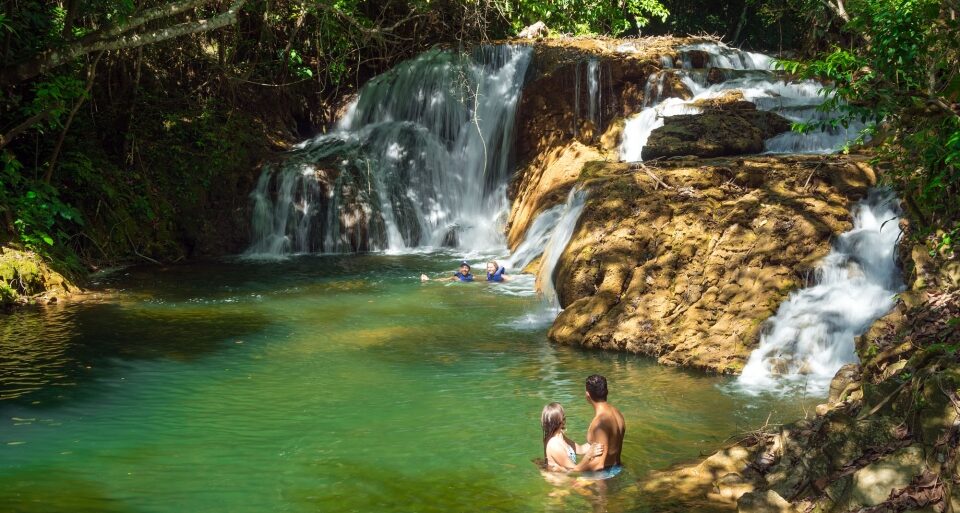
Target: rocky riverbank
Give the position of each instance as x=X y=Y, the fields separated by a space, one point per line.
x=887 y=439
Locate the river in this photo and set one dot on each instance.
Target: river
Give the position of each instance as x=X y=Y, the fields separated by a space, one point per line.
x=323 y=383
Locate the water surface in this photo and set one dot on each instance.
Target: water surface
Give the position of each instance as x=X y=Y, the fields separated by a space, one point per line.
x=322 y=383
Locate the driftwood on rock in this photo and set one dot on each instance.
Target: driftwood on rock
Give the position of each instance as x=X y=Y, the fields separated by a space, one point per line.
x=538 y=30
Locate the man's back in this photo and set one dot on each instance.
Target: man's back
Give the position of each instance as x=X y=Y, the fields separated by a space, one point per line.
x=607 y=428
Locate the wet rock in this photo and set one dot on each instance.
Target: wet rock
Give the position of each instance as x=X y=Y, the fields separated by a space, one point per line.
x=697 y=59
x=737 y=130
x=451 y=239
x=545 y=182
x=25 y=277
x=841 y=385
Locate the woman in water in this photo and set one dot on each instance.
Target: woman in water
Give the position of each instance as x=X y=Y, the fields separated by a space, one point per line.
x=496 y=273
x=559 y=452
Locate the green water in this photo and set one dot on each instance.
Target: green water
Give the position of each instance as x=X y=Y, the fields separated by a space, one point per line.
x=322 y=384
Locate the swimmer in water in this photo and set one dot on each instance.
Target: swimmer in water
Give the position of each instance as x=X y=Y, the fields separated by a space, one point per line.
x=496 y=272
x=559 y=452
x=463 y=274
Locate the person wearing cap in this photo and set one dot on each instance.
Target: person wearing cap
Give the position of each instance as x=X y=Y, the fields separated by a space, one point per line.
x=463 y=274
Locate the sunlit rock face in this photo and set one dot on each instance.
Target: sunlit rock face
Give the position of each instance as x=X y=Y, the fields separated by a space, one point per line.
x=688 y=274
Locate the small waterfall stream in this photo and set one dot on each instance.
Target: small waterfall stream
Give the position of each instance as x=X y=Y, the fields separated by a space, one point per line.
x=548 y=236
x=812 y=334
x=751 y=74
x=421 y=159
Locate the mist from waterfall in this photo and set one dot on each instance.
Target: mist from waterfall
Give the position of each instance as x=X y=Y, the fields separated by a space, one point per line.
x=420 y=160
x=812 y=334
x=754 y=76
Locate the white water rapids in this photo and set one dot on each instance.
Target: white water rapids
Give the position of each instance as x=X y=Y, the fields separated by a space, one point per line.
x=812 y=334
x=753 y=75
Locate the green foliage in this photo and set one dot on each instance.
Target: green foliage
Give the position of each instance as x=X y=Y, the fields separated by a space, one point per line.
x=38 y=215
x=586 y=16
x=902 y=80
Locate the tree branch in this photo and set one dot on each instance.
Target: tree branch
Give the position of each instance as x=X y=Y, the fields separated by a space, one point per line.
x=6 y=138
x=53 y=58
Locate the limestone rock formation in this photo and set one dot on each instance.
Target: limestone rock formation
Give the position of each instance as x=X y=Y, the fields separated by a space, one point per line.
x=687 y=274
x=893 y=446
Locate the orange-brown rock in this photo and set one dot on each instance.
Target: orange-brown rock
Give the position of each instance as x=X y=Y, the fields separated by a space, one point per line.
x=546 y=182
x=687 y=274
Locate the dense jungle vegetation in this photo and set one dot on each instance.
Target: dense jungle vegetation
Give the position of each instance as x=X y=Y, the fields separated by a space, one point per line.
x=132 y=129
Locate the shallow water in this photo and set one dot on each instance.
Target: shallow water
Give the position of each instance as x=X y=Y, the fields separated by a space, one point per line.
x=322 y=383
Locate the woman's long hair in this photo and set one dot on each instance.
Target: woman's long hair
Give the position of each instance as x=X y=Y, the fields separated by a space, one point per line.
x=551 y=420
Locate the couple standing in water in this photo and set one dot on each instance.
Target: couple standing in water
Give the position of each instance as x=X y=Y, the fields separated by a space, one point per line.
x=601 y=453
x=495 y=272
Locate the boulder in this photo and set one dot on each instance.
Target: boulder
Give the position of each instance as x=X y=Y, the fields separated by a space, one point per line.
x=538 y=30
x=729 y=129
x=687 y=274
x=872 y=484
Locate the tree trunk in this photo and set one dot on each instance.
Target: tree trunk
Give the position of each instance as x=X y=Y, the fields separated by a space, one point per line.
x=741 y=22
x=71 y=15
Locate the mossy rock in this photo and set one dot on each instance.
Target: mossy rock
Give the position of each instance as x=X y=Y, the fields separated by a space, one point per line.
x=24 y=276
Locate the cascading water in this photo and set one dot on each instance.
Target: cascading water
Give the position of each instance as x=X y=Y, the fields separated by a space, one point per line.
x=421 y=159
x=754 y=76
x=812 y=334
x=594 y=102
x=593 y=88
x=548 y=236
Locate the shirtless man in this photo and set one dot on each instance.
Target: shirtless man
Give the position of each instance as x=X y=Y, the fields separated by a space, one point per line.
x=607 y=427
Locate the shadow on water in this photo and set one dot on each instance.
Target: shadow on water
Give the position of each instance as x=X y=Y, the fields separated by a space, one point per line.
x=43 y=491
x=47 y=354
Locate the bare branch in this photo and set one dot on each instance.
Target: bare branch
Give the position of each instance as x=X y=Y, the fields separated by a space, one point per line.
x=6 y=138
x=51 y=59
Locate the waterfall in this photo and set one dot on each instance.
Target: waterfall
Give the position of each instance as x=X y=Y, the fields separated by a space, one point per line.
x=593 y=88
x=576 y=200
x=754 y=76
x=421 y=159
x=549 y=235
x=812 y=334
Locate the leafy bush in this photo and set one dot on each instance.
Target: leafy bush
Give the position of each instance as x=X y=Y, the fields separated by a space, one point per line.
x=902 y=80
x=586 y=16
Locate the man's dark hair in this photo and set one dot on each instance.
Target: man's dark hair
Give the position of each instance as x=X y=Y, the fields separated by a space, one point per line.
x=597 y=387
